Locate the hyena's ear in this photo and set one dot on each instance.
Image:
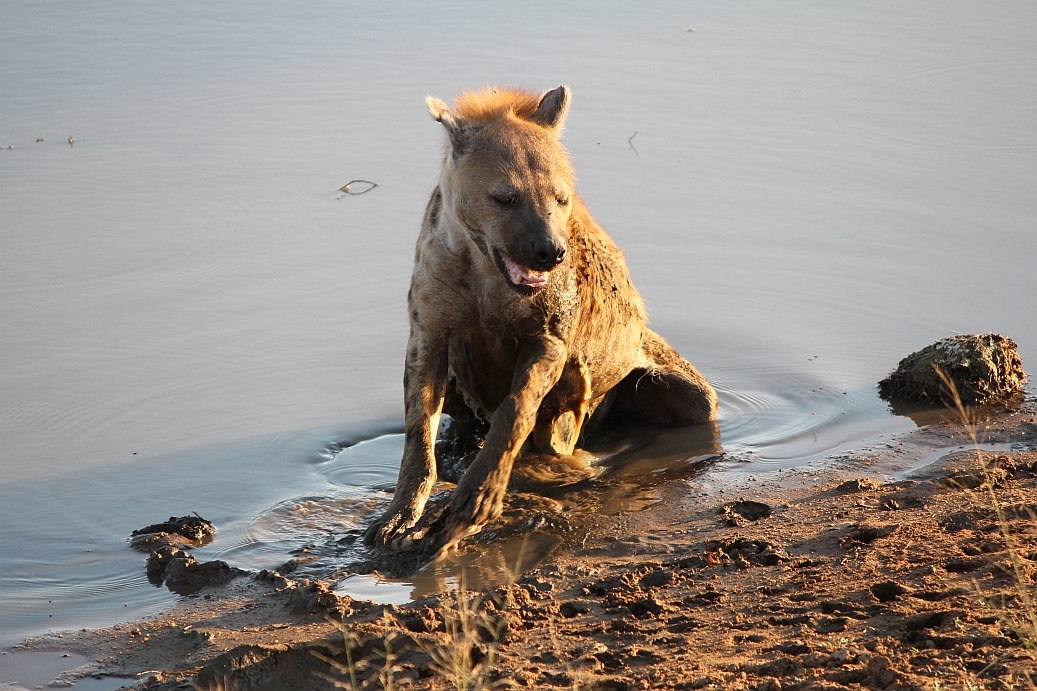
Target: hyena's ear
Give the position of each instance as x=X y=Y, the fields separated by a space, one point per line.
x=554 y=106
x=458 y=129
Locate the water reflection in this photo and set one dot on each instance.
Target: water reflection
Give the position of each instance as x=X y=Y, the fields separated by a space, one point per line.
x=924 y=414
x=642 y=450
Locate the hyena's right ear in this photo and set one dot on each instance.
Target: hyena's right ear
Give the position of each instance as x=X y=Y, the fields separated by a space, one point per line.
x=458 y=129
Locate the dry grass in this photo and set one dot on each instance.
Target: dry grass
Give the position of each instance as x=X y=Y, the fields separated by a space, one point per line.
x=1023 y=622
x=223 y=685
x=460 y=659
x=346 y=673
x=465 y=656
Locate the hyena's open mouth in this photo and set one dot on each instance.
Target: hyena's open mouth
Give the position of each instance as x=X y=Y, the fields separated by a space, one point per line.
x=525 y=280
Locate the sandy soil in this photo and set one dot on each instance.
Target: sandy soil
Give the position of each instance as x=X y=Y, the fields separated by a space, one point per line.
x=828 y=580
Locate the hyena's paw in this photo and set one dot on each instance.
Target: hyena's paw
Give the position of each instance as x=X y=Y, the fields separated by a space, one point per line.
x=470 y=510
x=445 y=524
x=393 y=524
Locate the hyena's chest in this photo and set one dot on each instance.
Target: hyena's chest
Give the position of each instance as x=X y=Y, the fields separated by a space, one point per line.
x=484 y=369
x=484 y=355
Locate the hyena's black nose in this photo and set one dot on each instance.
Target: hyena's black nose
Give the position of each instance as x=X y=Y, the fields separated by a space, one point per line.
x=549 y=254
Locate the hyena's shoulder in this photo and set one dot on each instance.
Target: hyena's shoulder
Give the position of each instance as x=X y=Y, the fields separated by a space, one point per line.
x=601 y=265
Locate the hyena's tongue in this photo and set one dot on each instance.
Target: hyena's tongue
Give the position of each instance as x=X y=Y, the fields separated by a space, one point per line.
x=521 y=276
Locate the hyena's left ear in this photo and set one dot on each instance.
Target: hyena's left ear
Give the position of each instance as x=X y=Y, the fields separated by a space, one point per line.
x=458 y=129
x=554 y=106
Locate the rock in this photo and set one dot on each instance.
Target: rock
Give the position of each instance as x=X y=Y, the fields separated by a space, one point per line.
x=265 y=666
x=160 y=559
x=647 y=607
x=794 y=647
x=573 y=609
x=976 y=479
x=781 y=667
x=983 y=368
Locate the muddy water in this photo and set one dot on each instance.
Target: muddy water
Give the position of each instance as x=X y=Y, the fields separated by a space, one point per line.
x=192 y=319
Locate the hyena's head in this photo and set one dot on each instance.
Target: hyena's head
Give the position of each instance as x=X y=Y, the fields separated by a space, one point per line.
x=508 y=180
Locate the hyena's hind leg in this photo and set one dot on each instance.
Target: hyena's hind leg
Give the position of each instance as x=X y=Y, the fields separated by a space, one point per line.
x=667 y=390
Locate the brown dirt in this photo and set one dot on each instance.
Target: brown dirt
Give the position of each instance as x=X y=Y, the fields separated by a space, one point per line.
x=848 y=582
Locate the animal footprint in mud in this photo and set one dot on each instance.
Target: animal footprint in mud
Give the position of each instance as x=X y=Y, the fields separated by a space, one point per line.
x=739 y=513
x=866 y=534
x=888 y=591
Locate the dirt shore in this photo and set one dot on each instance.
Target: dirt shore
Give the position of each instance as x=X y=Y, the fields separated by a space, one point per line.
x=836 y=579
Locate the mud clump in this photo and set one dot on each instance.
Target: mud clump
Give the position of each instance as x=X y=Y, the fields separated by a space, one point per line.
x=307 y=597
x=186 y=531
x=185 y=575
x=857 y=485
x=983 y=367
x=193 y=528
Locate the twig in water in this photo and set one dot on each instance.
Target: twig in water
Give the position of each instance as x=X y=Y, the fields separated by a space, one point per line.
x=630 y=141
x=364 y=186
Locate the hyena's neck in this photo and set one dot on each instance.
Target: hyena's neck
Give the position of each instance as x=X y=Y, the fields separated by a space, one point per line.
x=458 y=233
x=445 y=222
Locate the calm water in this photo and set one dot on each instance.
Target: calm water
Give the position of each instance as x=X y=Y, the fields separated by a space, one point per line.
x=191 y=319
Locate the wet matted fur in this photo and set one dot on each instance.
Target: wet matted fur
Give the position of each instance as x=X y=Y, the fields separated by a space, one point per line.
x=521 y=311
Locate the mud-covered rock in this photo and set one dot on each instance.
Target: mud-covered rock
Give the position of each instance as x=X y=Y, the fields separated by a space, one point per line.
x=194 y=528
x=187 y=576
x=184 y=575
x=983 y=367
x=258 y=666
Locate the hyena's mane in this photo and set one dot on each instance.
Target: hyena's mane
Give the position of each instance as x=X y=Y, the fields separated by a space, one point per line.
x=493 y=102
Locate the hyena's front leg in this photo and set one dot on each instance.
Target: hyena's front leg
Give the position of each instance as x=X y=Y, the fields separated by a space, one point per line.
x=424 y=383
x=479 y=495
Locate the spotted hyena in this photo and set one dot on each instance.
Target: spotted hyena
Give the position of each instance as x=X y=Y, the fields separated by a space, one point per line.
x=521 y=306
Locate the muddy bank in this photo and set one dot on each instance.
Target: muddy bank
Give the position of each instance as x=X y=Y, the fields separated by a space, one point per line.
x=839 y=579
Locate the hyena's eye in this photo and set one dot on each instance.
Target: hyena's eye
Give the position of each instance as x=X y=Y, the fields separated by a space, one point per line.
x=505 y=199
